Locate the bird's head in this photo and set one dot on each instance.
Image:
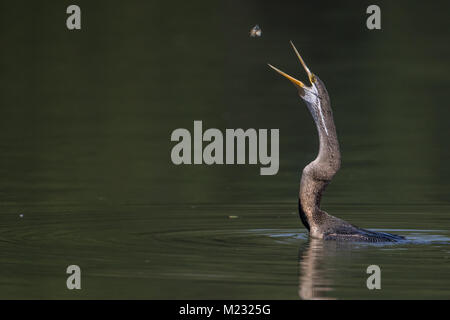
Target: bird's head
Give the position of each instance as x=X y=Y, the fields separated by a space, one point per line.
x=314 y=94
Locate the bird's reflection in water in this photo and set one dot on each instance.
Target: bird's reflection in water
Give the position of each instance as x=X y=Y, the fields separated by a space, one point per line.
x=316 y=278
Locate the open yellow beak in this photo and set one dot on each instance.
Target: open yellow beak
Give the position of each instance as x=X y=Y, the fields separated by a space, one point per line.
x=296 y=82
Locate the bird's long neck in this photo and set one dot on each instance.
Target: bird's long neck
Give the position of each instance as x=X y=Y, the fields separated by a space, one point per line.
x=318 y=174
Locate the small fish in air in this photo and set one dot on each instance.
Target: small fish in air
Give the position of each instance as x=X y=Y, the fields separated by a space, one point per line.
x=255 y=32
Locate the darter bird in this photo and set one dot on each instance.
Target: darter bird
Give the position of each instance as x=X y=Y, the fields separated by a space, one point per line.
x=319 y=173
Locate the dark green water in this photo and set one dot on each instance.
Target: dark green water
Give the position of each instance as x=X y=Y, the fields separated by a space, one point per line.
x=85 y=170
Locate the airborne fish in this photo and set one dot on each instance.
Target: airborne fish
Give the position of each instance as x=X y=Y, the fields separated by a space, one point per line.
x=255 y=32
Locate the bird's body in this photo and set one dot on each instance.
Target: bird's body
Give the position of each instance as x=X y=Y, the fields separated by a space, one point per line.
x=319 y=173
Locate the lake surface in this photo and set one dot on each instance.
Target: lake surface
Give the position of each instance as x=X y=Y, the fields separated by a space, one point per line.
x=86 y=177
